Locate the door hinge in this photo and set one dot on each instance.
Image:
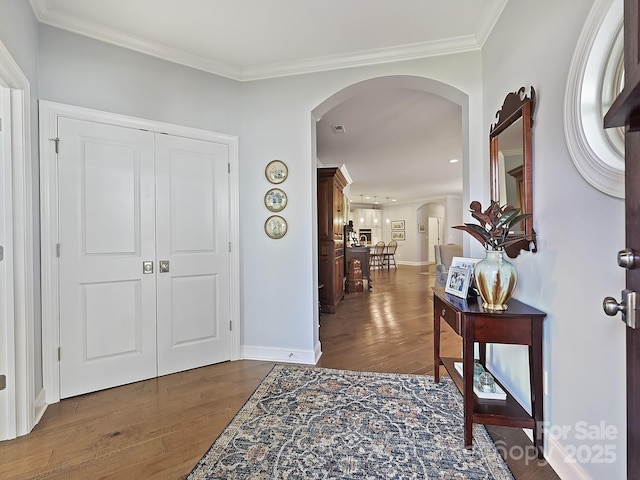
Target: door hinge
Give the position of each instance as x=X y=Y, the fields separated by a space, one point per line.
x=228 y=168
x=3 y=382
x=229 y=247
x=58 y=353
x=0 y=124
x=57 y=142
x=230 y=326
x=58 y=250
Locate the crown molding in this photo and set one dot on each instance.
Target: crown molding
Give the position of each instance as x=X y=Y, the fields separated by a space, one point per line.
x=363 y=58
x=47 y=15
x=489 y=21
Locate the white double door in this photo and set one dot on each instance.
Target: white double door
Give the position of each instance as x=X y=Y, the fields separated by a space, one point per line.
x=131 y=201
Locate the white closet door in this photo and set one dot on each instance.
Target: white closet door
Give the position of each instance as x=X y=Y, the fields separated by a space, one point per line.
x=193 y=237
x=107 y=230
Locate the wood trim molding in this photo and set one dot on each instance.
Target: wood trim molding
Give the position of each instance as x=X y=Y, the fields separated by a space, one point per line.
x=20 y=339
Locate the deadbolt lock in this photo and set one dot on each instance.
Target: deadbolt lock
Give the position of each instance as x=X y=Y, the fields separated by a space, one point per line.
x=628 y=258
x=164 y=266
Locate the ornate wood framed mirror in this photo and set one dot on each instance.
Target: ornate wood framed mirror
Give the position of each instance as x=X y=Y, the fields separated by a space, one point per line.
x=511 y=163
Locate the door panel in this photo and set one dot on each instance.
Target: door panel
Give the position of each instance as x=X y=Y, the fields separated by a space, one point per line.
x=193 y=235
x=107 y=221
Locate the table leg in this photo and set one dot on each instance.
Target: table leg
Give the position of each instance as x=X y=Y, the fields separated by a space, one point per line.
x=467 y=369
x=436 y=344
x=537 y=393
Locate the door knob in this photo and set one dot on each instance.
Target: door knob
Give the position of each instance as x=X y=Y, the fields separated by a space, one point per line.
x=627 y=307
x=628 y=258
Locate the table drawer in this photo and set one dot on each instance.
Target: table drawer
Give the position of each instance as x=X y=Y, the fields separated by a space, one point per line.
x=448 y=314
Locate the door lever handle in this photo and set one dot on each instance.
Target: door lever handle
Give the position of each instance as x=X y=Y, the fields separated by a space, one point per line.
x=147 y=267
x=164 y=266
x=627 y=307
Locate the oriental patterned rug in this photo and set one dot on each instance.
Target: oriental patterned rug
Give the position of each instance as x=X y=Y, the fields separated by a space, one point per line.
x=316 y=423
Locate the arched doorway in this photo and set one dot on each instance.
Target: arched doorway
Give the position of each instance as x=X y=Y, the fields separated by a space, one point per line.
x=381 y=86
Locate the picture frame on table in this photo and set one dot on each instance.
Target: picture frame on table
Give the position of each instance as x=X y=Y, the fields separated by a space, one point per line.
x=458 y=281
x=397 y=225
x=465 y=262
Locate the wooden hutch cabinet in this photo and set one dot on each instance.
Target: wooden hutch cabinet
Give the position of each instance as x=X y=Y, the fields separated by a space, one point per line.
x=331 y=183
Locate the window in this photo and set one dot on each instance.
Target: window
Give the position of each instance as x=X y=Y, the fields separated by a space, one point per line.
x=595 y=79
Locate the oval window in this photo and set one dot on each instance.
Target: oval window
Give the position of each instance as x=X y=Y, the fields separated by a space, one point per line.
x=595 y=79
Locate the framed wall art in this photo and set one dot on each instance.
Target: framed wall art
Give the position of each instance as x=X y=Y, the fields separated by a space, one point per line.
x=398 y=235
x=275 y=227
x=276 y=171
x=275 y=200
x=397 y=225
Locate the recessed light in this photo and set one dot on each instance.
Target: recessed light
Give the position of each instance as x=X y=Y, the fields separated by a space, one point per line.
x=453 y=160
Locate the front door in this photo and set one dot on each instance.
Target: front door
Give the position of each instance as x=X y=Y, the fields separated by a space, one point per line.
x=625 y=112
x=144 y=262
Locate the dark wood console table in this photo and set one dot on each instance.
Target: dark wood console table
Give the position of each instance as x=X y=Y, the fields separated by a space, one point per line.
x=520 y=324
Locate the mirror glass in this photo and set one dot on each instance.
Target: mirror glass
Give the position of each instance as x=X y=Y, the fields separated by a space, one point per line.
x=511 y=169
x=512 y=164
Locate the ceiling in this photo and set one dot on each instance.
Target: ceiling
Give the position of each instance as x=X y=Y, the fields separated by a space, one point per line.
x=395 y=144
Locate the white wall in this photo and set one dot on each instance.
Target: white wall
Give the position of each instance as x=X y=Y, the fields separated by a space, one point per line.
x=274 y=120
x=276 y=124
x=80 y=71
x=579 y=232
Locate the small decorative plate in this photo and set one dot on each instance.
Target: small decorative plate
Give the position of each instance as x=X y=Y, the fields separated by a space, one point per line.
x=276 y=171
x=275 y=200
x=275 y=226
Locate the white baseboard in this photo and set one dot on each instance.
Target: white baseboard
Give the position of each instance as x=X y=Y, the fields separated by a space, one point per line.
x=40 y=406
x=564 y=465
x=270 y=354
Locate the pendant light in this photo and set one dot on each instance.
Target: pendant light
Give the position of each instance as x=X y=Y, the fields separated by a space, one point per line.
x=361 y=215
x=388 y=221
x=375 y=202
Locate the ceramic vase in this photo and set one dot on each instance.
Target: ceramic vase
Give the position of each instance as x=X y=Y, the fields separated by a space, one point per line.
x=495 y=280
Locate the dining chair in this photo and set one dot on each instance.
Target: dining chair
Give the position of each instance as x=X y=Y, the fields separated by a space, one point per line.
x=377 y=254
x=389 y=254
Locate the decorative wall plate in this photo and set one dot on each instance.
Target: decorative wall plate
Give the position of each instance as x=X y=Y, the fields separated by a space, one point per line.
x=275 y=226
x=276 y=171
x=275 y=200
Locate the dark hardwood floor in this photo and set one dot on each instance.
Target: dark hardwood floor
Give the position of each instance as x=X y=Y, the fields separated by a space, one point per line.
x=159 y=428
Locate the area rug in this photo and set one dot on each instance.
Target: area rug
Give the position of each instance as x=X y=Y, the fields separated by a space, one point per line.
x=316 y=423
